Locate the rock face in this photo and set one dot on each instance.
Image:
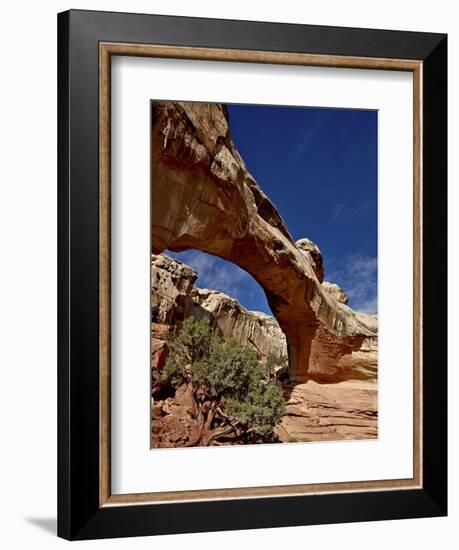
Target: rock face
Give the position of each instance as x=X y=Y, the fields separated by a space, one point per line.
x=203 y=197
x=314 y=411
x=249 y=328
x=174 y=298
x=335 y=291
x=171 y=286
x=321 y=412
x=314 y=255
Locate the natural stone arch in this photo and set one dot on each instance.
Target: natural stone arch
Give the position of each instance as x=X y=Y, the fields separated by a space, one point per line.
x=203 y=197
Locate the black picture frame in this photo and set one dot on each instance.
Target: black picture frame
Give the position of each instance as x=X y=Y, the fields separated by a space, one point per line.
x=80 y=515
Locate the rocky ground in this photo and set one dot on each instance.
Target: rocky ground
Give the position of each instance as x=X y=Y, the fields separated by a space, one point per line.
x=314 y=412
x=321 y=412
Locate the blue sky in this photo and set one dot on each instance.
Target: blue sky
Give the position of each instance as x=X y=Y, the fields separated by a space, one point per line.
x=319 y=167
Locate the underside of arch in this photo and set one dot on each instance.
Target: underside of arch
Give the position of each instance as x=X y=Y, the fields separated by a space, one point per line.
x=203 y=197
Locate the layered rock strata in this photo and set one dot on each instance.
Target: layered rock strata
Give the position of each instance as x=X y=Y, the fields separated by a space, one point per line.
x=229 y=319
x=203 y=197
x=174 y=298
x=321 y=412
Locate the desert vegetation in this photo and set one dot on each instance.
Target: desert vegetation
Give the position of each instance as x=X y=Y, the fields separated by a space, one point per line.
x=307 y=371
x=225 y=394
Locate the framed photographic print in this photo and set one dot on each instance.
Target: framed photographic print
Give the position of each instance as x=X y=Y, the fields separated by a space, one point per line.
x=252 y=275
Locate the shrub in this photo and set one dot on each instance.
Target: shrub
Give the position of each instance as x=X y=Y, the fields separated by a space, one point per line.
x=233 y=400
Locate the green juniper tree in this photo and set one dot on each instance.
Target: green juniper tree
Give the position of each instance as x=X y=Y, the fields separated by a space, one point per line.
x=233 y=400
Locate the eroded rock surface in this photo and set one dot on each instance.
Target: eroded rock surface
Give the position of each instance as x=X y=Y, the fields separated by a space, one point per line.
x=174 y=297
x=249 y=328
x=171 y=286
x=314 y=255
x=321 y=412
x=314 y=411
x=336 y=291
x=203 y=197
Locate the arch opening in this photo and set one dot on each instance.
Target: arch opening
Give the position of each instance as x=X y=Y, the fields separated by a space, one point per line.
x=204 y=198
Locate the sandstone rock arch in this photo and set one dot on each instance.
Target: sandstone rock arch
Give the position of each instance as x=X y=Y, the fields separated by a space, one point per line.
x=203 y=197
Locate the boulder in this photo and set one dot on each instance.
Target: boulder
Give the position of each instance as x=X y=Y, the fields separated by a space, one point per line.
x=314 y=255
x=336 y=291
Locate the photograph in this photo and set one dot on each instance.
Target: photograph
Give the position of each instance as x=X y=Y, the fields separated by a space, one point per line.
x=264 y=269
x=229 y=268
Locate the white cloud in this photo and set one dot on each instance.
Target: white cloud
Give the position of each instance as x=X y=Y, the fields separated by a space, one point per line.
x=309 y=134
x=345 y=212
x=214 y=273
x=357 y=276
